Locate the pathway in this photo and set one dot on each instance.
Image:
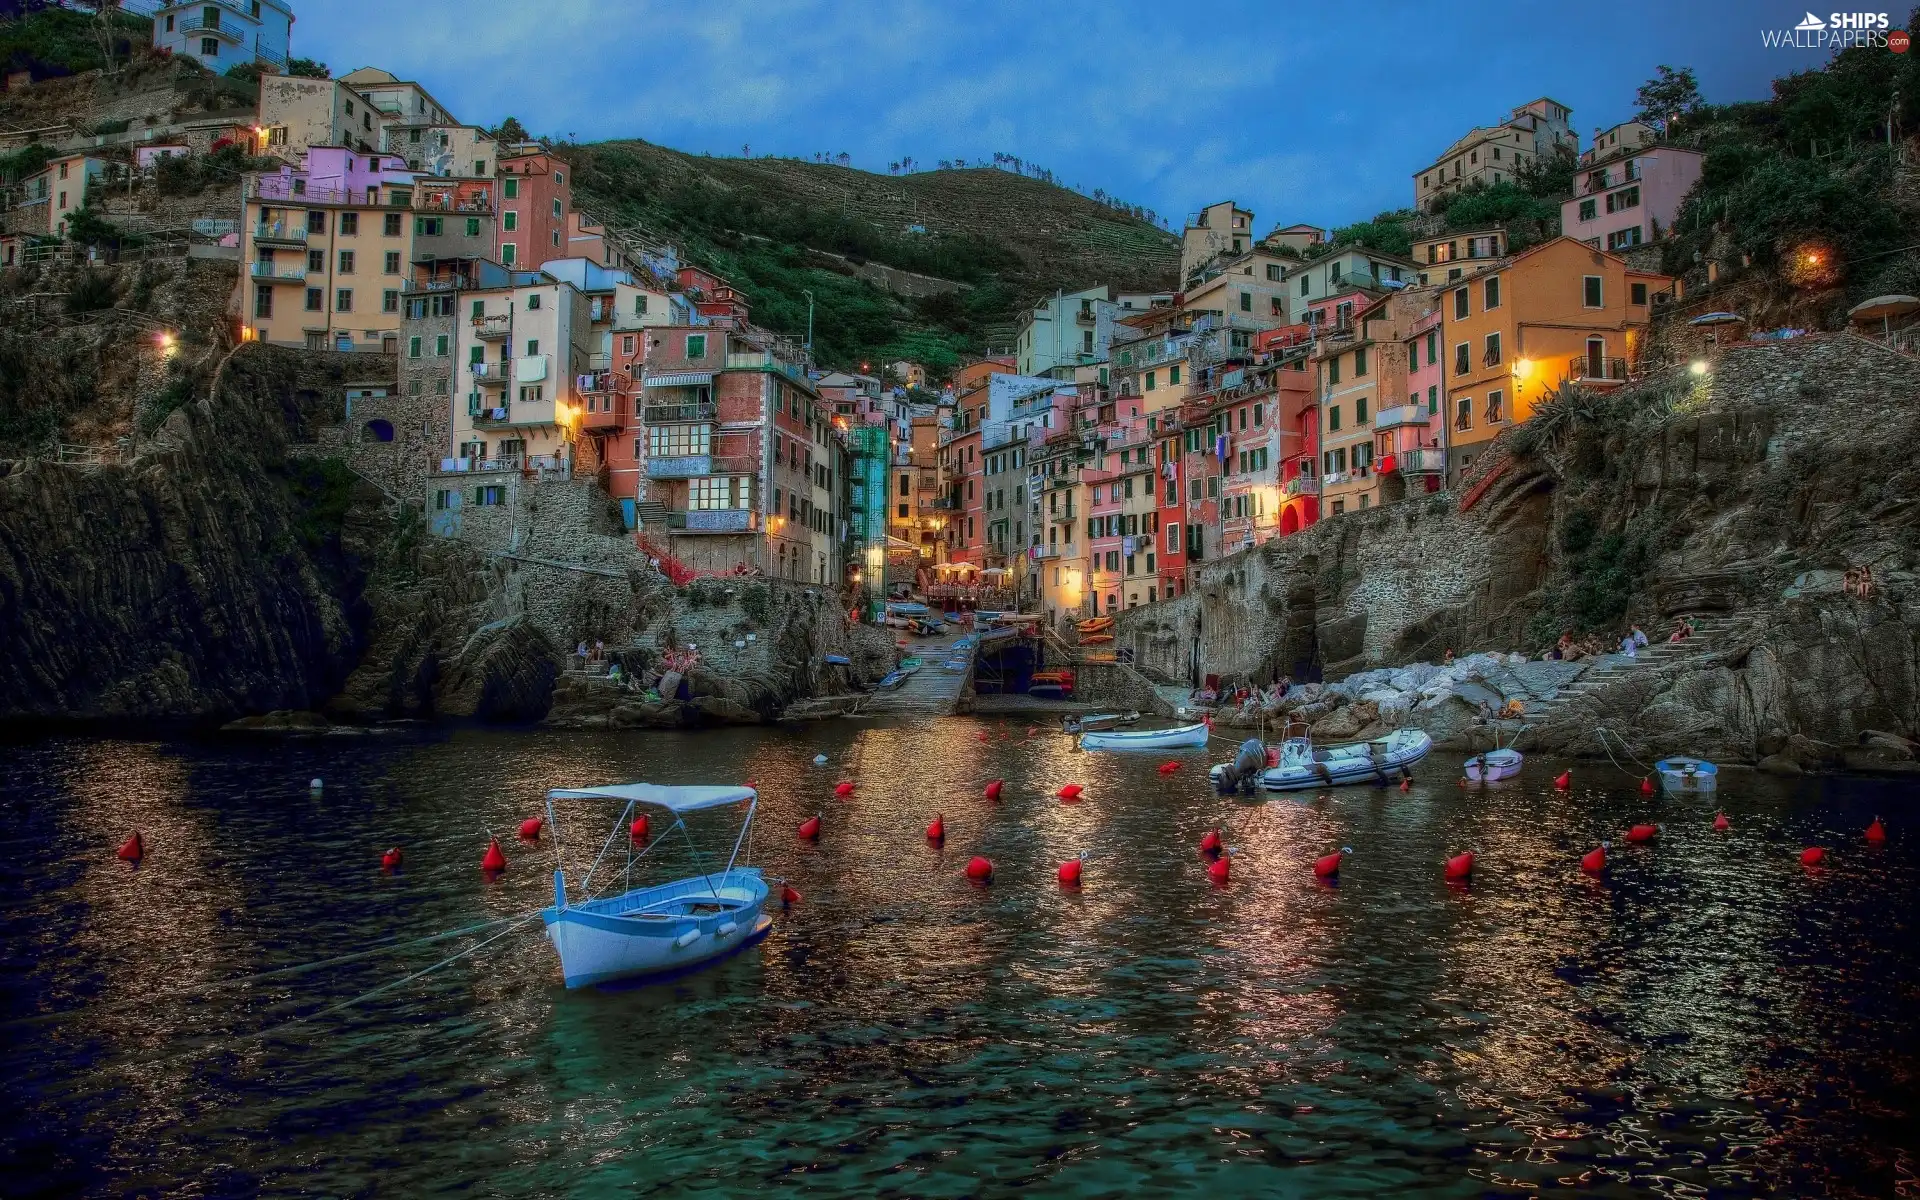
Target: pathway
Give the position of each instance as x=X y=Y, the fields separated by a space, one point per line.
x=1708 y=630
x=932 y=691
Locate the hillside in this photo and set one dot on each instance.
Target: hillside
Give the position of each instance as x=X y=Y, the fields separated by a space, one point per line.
x=777 y=226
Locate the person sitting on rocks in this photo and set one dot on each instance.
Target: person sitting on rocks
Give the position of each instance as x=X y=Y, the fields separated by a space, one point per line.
x=1850 y=582
x=1639 y=637
x=1446 y=660
x=1866 y=580
x=1681 y=630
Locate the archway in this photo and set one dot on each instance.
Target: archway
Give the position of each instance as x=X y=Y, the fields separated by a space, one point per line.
x=376 y=431
x=1290 y=520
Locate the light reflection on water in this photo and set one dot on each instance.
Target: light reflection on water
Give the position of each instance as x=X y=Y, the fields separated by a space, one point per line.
x=1710 y=1015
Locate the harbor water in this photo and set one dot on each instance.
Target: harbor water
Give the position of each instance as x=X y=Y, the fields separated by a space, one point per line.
x=253 y=1009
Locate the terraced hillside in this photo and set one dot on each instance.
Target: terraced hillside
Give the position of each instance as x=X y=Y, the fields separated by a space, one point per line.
x=777 y=226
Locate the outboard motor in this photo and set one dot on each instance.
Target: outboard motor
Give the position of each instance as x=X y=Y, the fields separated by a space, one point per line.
x=1244 y=773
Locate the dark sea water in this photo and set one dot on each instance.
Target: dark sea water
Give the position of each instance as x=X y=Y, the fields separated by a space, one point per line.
x=1708 y=1019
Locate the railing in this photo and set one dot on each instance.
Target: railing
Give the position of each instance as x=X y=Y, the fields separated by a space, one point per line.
x=491 y=374
x=1302 y=485
x=938 y=503
x=606 y=415
x=492 y=328
x=1425 y=461
x=711 y=520
x=479 y=466
x=686 y=466
x=475 y=206
x=1084 y=318
x=667 y=414
x=279 y=231
x=1600 y=370
x=199 y=24
x=1400 y=414
x=749 y=359
x=499 y=415
x=273 y=274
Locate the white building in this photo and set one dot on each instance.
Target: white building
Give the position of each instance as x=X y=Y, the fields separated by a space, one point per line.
x=223 y=34
x=1070 y=330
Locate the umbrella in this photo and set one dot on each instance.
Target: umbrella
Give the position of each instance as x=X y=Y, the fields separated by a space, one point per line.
x=1883 y=307
x=1717 y=318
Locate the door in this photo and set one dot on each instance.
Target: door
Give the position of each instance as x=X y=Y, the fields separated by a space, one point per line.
x=1596 y=358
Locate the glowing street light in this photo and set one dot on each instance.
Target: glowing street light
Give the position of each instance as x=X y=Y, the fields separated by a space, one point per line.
x=1698 y=366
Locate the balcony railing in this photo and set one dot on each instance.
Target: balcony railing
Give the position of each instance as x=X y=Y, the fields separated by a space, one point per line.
x=1425 y=461
x=491 y=374
x=1085 y=317
x=1400 y=414
x=1302 y=485
x=609 y=414
x=200 y=24
x=1597 y=370
x=274 y=273
x=939 y=504
x=492 y=328
x=686 y=466
x=712 y=520
x=280 y=231
x=671 y=414
x=501 y=414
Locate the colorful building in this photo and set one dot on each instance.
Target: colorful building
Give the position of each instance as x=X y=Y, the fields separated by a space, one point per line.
x=224 y=34
x=1630 y=195
x=535 y=199
x=1066 y=331
x=1495 y=154
x=1450 y=256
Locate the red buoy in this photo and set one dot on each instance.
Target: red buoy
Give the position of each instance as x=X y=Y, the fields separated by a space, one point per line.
x=1876 y=833
x=1462 y=782
x=993 y=788
x=984 y=736
x=1168 y=768
x=638 y=830
x=1646 y=785
x=1565 y=780
x=843 y=789
x=1406 y=783
x=1720 y=823
x=789 y=895
x=1328 y=865
x=1032 y=729
x=495 y=860
x=810 y=829
x=530 y=829
x=392 y=859
x=1070 y=792
x=979 y=869
x=1813 y=856
x=1210 y=844
x=1595 y=860
x=133 y=849
x=1220 y=869
x=1273 y=756
x=1460 y=866
x=1070 y=873
x=1643 y=833
x=938 y=829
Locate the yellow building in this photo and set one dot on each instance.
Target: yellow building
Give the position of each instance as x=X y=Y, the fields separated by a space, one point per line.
x=1559 y=311
x=1495 y=154
x=1450 y=256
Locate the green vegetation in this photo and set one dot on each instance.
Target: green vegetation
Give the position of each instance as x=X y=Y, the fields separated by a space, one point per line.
x=1802 y=181
x=1528 y=219
x=61 y=41
x=308 y=68
x=322 y=491
x=177 y=393
x=191 y=174
x=93 y=291
x=1386 y=233
x=28 y=160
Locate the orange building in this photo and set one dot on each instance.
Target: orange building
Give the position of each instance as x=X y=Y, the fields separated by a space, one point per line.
x=1559 y=311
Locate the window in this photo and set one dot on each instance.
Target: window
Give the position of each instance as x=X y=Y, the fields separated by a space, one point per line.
x=1173 y=539
x=440 y=345
x=1333 y=418
x=1360 y=364
x=349 y=224
x=263 y=300
x=1622 y=200
x=1333 y=370
x=210 y=47
x=316 y=260
x=1460 y=304
x=316 y=221
x=1588 y=210
x=1246 y=301
x=1433 y=346
x=1256 y=416
x=1360 y=411
x=1303 y=284
x=1273 y=272
x=346 y=262
x=556 y=211
x=1496 y=401
x=533 y=347
x=413 y=347
x=509 y=220
x=1433 y=400
x=1590 y=291
x=640 y=305
x=679 y=441
x=1620 y=239
x=1463 y=413
x=1639 y=293
x=315 y=300
x=1152 y=382
x=512 y=188
x=390 y=300
x=508 y=254
x=1462 y=359
x=429 y=226
x=1491 y=290
x=1492 y=356
x=696 y=345
x=343 y=300
x=710 y=493
x=1173 y=375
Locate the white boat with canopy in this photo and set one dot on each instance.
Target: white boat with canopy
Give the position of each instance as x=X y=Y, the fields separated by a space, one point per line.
x=1184 y=737
x=662 y=930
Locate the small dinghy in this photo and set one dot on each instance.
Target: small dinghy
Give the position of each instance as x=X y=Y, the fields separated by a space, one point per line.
x=1303 y=765
x=661 y=930
x=1181 y=737
x=1095 y=722
x=1494 y=765
x=1688 y=776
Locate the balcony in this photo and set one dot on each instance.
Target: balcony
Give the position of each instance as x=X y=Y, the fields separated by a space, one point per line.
x=491 y=374
x=939 y=504
x=492 y=329
x=1400 y=414
x=486 y=417
x=198 y=23
x=747 y=360
x=273 y=273
x=1045 y=552
x=712 y=520
x=1302 y=485
x=1597 y=370
x=281 y=232
x=1085 y=317
x=609 y=414
x=687 y=466
x=675 y=414
x=1425 y=461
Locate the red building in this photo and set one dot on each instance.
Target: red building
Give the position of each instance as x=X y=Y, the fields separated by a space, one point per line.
x=536 y=198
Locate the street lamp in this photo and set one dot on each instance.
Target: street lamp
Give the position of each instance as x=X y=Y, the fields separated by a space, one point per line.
x=809 y=296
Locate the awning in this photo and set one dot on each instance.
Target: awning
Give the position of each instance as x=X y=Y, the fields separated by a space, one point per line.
x=680 y=379
x=673 y=799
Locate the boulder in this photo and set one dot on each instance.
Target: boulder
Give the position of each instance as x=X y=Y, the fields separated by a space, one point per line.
x=1346 y=723
x=283 y=720
x=1780 y=764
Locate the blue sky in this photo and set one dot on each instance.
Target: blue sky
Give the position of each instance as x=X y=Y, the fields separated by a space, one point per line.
x=1316 y=113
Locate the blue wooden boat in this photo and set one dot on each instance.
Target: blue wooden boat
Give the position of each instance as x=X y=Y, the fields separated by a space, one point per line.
x=1688 y=776
x=666 y=929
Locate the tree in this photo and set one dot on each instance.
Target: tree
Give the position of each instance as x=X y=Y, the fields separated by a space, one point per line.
x=1670 y=95
x=308 y=68
x=510 y=130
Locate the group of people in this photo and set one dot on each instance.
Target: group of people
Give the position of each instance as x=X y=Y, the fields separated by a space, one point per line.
x=1859 y=581
x=1570 y=649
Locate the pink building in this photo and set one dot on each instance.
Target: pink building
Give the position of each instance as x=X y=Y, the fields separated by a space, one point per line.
x=1424 y=466
x=335 y=175
x=1631 y=199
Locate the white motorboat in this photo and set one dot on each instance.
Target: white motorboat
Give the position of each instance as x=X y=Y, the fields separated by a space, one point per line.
x=661 y=930
x=1098 y=722
x=1182 y=737
x=1687 y=776
x=1303 y=765
x=1494 y=765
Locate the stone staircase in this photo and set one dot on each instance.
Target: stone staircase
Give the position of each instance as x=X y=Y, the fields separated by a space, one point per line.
x=1709 y=631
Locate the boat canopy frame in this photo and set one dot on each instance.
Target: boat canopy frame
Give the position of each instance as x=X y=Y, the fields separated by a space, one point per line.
x=678 y=800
